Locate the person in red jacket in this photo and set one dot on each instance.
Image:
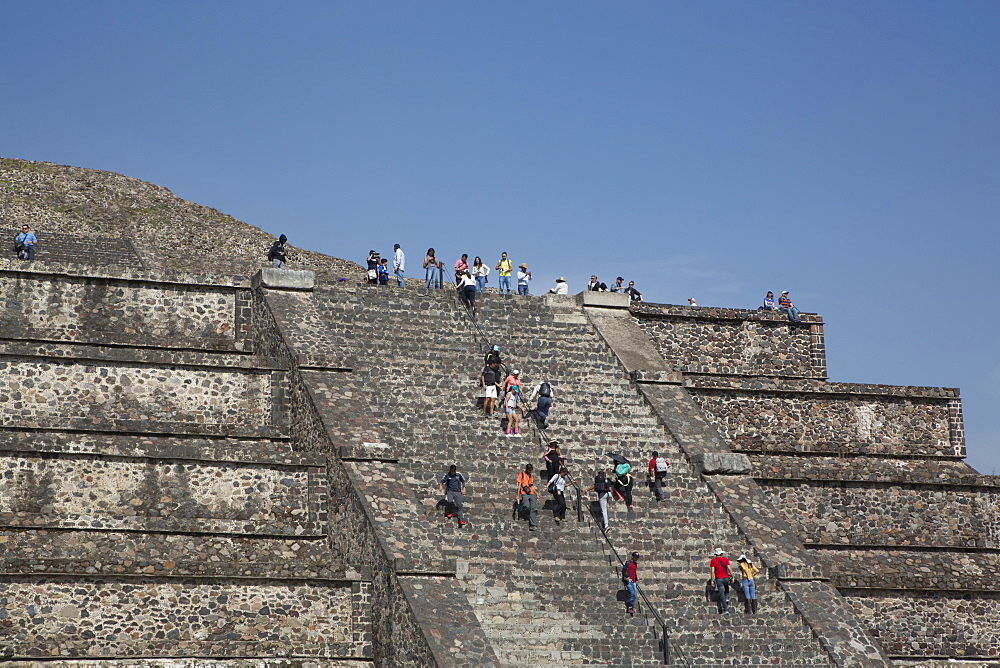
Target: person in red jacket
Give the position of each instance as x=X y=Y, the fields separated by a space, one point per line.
x=630 y=577
x=722 y=574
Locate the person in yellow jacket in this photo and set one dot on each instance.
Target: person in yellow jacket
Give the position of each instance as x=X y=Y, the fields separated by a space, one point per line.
x=747 y=573
x=504 y=267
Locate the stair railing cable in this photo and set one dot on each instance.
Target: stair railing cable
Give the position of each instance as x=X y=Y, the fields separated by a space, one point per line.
x=487 y=345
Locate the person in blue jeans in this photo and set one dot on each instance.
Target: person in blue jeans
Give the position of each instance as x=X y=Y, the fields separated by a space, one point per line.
x=630 y=577
x=748 y=571
x=504 y=267
x=787 y=307
x=523 y=276
x=721 y=573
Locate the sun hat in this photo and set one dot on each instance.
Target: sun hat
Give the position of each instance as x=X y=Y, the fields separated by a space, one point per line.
x=522 y=266
x=515 y=372
x=719 y=552
x=561 y=279
x=742 y=557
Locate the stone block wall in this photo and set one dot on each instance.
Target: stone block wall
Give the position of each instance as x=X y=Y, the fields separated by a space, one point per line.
x=830 y=417
x=48 y=617
x=843 y=513
x=939 y=624
x=734 y=341
x=43 y=391
x=111 y=310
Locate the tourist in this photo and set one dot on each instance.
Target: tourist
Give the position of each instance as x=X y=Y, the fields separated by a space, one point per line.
x=602 y=486
x=721 y=574
x=692 y=302
x=383 y=271
x=523 y=276
x=786 y=306
x=657 y=468
x=432 y=270
x=398 y=264
x=461 y=266
x=510 y=409
x=561 y=287
x=467 y=288
x=553 y=459
x=453 y=486
x=373 y=262
x=633 y=294
x=503 y=268
x=595 y=286
x=526 y=497
x=276 y=255
x=768 y=302
x=493 y=355
x=624 y=483
x=630 y=577
x=513 y=379
x=618 y=286
x=557 y=487
x=748 y=571
x=488 y=381
x=481 y=273
x=544 y=393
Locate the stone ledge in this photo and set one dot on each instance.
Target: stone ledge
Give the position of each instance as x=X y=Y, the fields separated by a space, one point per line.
x=83 y=353
x=721 y=463
x=121 y=275
x=608 y=300
x=160 y=525
x=159 y=428
x=284 y=279
x=657 y=377
x=695 y=381
x=648 y=309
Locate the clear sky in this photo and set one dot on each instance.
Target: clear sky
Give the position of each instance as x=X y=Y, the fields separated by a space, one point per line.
x=846 y=151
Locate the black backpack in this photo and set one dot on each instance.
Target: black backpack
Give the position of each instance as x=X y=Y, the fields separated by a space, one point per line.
x=545 y=390
x=601 y=483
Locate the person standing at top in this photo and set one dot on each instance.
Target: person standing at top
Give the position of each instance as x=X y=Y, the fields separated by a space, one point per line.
x=503 y=268
x=658 y=469
x=748 y=572
x=787 y=307
x=373 y=261
x=453 y=486
x=526 y=496
x=633 y=294
x=383 y=271
x=481 y=273
x=432 y=270
x=398 y=264
x=630 y=577
x=721 y=573
x=561 y=287
x=523 y=276
x=461 y=266
x=276 y=255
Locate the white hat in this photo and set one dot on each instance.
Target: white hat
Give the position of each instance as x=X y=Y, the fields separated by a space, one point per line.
x=516 y=372
x=784 y=292
x=742 y=557
x=718 y=552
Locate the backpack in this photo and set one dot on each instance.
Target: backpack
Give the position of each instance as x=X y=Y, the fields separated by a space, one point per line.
x=545 y=390
x=661 y=465
x=622 y=468
x=601 y=484
x=624 y=570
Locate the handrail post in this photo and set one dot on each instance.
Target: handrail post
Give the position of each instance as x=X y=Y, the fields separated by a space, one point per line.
x=666 y=644
x=579 y=506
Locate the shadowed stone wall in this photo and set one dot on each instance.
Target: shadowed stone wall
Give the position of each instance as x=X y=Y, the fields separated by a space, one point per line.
x=734 y=341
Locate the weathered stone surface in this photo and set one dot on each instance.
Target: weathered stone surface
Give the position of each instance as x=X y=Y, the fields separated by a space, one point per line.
x=284 y=279
x=721 y=463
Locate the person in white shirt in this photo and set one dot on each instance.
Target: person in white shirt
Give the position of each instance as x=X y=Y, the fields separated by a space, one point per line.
x=561 y=287
x=398 y=264
x=523 y=276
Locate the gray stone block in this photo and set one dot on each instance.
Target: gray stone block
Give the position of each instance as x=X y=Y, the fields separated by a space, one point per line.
x=721 y=463
x=604 y=299
x=284 y=279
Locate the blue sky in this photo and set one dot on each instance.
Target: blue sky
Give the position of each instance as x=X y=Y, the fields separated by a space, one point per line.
x=848 y=152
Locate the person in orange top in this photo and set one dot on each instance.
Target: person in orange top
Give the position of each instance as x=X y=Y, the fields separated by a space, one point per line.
x=527 y=497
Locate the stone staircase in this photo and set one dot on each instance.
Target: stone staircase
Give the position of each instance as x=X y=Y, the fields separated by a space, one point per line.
x=545 y=598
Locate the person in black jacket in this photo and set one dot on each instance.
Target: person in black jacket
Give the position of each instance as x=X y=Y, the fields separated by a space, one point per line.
x=277 y=253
